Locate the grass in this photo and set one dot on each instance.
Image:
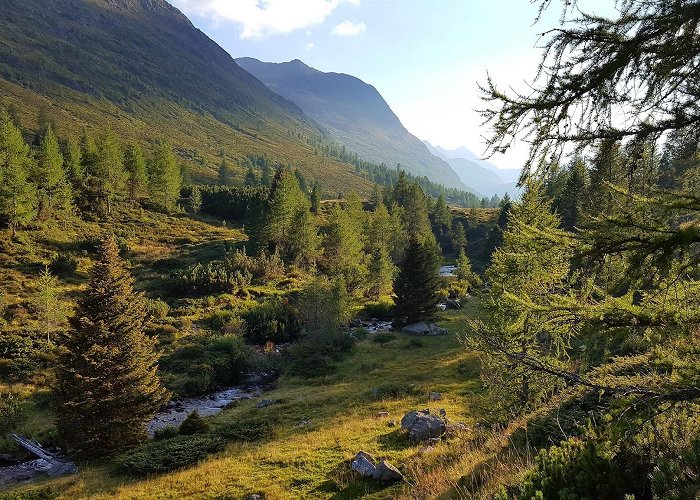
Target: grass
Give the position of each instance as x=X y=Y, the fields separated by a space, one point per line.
x=319 y=424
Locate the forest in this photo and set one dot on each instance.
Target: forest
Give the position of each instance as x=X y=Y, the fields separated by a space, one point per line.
x=568 y=367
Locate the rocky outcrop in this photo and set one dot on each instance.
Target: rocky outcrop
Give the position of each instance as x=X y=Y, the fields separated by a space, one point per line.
x=363 y=464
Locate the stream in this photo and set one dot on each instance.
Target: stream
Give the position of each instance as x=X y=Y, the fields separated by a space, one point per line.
x=209 y=404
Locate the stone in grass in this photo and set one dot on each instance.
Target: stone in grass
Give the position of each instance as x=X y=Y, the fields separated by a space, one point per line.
x=264 y=403
x=424 y=329
x=387 y=472
x=363 y=464
x=421 y=425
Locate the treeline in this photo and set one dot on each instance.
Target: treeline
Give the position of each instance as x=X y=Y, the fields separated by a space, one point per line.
x=90 y=173
x=385 y=176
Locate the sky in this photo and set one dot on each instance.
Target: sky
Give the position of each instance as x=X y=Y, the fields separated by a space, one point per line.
x=424 y=56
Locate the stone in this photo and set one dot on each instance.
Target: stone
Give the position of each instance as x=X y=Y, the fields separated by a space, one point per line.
x=254 y=496
x=421 y=425
x=435 y=396
x=387 y=472
x=264 y=403
x=424 y=329
x=382 y=414
x=392 y=423
x=363 y=466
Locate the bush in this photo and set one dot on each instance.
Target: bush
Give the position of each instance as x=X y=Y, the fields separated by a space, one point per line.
x=165 y=433
x=247 y=430
x=383 y=309
x=63 y=265
x=383 y=338
x=10 y=412
x=157 y=309
x=273 y=320
x=158 y=457
x=392 y=391
x=193 y=424
x=317 y=353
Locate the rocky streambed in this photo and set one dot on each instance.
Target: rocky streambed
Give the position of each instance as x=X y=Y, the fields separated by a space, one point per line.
x=209 y=404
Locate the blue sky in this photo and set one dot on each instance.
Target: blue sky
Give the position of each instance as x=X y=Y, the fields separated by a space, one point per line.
x=424 y=56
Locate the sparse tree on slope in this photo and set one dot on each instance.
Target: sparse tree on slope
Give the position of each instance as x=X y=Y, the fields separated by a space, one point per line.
x=165 y=179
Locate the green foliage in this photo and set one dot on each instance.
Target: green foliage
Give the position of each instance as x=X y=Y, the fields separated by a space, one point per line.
x=157 y=308
x=193 y=424
x=10 y=411
x=95 y=414
x=17 y=197
x=135 y=166
x=164 y=177
x=63 y=265
x=417 y=285
x=53 y=187
x=273 y=320
x=158 y=457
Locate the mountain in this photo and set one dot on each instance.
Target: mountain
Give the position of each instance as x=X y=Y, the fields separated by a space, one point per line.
x=142 y=68
x=477 y=173
x=355 y=114
x=508 y=175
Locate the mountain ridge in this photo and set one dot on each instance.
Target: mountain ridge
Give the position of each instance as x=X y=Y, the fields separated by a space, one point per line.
x=355 y=114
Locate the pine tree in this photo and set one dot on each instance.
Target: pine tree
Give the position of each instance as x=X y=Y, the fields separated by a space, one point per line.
x=73 y=165
x=465 y=276
x=17 y=195
x=573 y=195
x=194 y=201
x=417 y=284
x=106 y=388
x=165 y=179
x=135 y=167
x=225 y=178
x=381 y=272
x=302 y=246
x=344 y=249
x=53 y=188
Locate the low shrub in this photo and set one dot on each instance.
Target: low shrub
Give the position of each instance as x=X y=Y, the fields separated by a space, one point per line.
x=10 y=411
x=157 y=308
x=158 y=457
x=392 y=391
x=274 y=319
x=317 y=354
x=165 y=433
x=254 y=429
x=63 y=265
x=382 y=309
x=193 y=424
x=383 y=338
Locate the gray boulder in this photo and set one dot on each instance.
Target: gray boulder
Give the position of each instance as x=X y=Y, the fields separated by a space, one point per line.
x=363 y=464
x=424 y=329
x=421 y=425
x=387 y=472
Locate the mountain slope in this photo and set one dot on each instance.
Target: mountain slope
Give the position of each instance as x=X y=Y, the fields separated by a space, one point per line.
x=481 y=175
x=355 y=114
x=140 y=67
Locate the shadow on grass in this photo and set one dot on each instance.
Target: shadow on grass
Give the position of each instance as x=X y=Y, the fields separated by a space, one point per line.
x=394 y=441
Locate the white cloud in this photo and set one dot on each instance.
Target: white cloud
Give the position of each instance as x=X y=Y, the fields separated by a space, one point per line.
x=347 y=28
x=310 y=46
x=261 y=18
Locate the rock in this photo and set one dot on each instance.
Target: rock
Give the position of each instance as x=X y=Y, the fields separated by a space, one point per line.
x=442 y=412
x=424 y=329
x=264 y=403
x=435 y=396
x=382 y=414
x=421 y=425
x=387 y=472
x=254 y=496
x=453 y=304
x=392 y=423
x=442 y=307
x=362 y=464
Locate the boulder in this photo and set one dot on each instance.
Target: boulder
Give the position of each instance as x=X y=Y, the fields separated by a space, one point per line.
x=424 y=329
x=387 y=472
x=362 y=464
x=435 y=396
x=421 y=425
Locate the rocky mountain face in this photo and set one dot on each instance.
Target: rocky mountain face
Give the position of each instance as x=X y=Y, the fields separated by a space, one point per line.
x=355 y=114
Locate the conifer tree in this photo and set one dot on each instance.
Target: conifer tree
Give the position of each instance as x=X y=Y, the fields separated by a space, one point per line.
x=251 y=179
x=51 y=310
x=344 y=249
x=316 y=198
x=106 y=388
x=165 y=178
x=379 y=243
x=104 y=168
x=286 y=202
x=135 y=166
x=417 y=284
x=17 y=195
x=73 y=166
x=53 y=188
x=573 y=195
x=225 y=178
x=530 y=265
x=466 y=278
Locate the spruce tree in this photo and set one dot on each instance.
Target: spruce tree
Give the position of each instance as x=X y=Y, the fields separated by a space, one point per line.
x=316 y=198
x=73 y=166
x=106 y=388
x=286 y=201
x=417 y=285
x=135 y=166
x=17 y=195
x=165 y=178
x=104 y=168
